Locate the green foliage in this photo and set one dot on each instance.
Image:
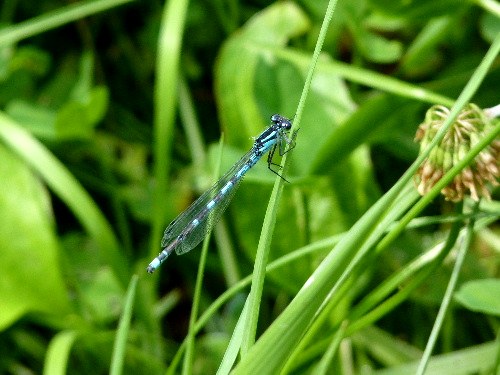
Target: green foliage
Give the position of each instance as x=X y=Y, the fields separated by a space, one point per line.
x=110 y=111
x=31 y=276
x=480 y=295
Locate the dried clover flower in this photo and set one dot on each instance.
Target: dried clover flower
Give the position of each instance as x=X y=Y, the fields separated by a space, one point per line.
x=469 y=127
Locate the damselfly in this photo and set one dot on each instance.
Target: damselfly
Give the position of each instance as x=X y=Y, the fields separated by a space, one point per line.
x=190 y=227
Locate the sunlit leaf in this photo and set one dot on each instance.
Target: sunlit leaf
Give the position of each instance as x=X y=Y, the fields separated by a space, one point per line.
x=31 y=279
x=481 y=296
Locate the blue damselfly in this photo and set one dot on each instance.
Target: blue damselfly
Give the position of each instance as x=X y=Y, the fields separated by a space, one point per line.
x=191 y=226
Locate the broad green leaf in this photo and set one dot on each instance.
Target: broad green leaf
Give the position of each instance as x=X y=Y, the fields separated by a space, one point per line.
x=371 y=46
x=77 y=119
x=25 y=58
x=67 y=188
x=19 y=69
x=97 y=104
x=481 y=296
x=378 y=49
x=86 y=106
x=238 y=66
x=31 y=281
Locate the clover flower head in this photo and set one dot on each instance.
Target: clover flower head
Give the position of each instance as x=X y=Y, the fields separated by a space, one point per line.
x=469 y=127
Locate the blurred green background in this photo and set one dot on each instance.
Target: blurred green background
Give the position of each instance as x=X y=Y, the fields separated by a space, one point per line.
x=108 y=132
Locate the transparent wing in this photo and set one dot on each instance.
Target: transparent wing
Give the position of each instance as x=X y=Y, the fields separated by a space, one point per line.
x=206 y=222
x=195 y=236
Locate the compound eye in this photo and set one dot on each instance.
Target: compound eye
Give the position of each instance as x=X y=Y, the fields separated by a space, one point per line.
x=275 y=118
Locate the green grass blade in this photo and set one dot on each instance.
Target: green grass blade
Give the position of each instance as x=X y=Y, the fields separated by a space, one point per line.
x=270 y=218
x=189 y=357
x=56 y=18
x=58 y=352
x=167 y=75
x=365 y=77
x=120 y=344
x=234 y=346
x=445 y=305
x=327 y=359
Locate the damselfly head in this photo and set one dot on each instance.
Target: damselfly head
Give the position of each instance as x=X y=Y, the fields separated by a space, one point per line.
x=281 y=121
